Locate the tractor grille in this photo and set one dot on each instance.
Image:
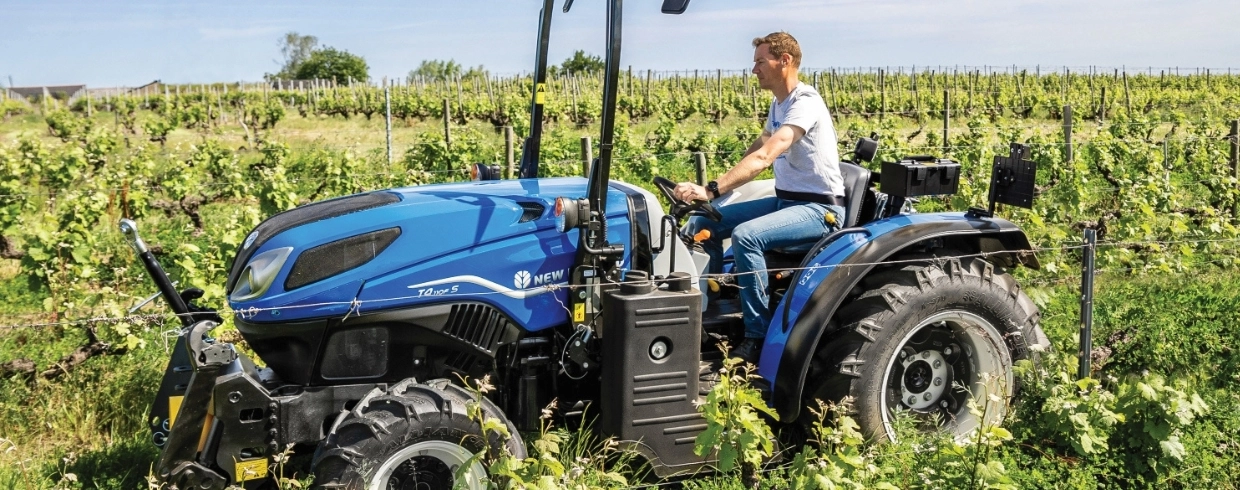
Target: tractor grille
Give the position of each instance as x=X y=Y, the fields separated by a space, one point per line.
x=461 y=362
x=476 y=324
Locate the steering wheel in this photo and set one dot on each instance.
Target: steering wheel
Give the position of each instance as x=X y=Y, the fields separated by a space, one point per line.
x=681 y=208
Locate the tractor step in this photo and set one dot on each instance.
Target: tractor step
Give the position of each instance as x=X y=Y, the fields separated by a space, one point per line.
x=708 y=375
x=721 y=318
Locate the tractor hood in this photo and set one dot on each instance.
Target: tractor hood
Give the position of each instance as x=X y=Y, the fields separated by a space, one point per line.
x=491 y=241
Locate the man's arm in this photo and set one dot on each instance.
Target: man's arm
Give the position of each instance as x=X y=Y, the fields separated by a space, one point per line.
x=757 y=158
x=757 y=143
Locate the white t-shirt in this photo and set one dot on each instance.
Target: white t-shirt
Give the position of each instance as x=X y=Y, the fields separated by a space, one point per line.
x=812 y=163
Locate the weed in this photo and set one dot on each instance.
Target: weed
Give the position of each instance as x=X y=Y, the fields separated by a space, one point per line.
x=736 y=433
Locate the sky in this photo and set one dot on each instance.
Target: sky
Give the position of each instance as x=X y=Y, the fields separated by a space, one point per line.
x=104 y=43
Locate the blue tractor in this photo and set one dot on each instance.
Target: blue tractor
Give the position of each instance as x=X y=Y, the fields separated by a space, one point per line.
x=369 y=310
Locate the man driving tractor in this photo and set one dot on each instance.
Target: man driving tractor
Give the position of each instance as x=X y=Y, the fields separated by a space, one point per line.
x=799 y=140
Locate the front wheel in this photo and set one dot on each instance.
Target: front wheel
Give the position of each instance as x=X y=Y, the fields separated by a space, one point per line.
x=930 y=340
x=411 y=436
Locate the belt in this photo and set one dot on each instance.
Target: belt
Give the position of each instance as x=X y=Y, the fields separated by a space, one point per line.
x=827 y=199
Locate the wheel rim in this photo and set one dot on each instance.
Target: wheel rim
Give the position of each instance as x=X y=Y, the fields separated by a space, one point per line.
x=938 y=366
x=427 y=465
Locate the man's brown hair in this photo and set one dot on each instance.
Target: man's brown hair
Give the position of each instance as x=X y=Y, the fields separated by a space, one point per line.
x=781 y=43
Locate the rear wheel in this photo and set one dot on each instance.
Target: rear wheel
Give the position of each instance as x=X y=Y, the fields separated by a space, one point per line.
x=410 y=436
x=928 y=340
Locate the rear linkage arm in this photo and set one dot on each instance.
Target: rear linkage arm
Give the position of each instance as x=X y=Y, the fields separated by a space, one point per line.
x=177 y=463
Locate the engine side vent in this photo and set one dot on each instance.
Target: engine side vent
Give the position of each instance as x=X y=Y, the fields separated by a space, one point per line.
x=533 y=211
x=477 y=324
x=332 y=258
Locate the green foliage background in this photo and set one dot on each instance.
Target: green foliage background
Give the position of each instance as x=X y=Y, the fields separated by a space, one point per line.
x=199 y=166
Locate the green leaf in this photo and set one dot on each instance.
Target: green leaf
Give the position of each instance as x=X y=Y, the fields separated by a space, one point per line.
x=494 y=425
x=81 y=254
x=1086 y=443
x=999 y=434
x=132 y=342
x=1147 y=391
x=1173 y=448
x=727 y=457
x=1158 y=429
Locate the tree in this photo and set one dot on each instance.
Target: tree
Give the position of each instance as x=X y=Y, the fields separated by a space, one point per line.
x=296 y=49
x=476 y=72
x=439 y=70
x=332 y=64
x=435 y=70
x=580 y=63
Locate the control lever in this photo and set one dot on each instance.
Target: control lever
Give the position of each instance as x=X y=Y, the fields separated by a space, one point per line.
x=166 y=288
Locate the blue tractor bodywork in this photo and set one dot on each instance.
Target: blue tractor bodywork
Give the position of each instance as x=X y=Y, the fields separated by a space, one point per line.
x=838 y=263
x=496 y=240
x=496 y=243
x=400 y=260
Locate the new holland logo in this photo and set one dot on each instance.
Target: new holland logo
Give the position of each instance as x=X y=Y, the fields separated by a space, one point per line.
x=523 y=278
x=250 y=239
x=527 y=285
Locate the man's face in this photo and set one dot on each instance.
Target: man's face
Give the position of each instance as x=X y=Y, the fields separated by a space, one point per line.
x=767 y=67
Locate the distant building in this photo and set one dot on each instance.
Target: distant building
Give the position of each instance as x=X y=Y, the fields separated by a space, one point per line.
x=61 y=92
x=154 y=87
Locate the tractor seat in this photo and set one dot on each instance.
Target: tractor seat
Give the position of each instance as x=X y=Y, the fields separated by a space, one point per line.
x=856 y=182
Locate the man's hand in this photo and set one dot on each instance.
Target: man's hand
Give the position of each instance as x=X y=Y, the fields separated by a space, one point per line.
x=689 y=192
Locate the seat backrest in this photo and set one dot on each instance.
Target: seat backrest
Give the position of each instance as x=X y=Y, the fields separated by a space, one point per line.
x=856 y=181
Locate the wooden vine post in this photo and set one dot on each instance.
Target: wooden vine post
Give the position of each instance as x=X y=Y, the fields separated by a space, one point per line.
x=1067 y=134
x=447 y=123
x=587 y=154
x=1102 y=106
x=1127 y=97
x=1235 y=161
x=882 y=95
x=510 y=152
x=947 y=115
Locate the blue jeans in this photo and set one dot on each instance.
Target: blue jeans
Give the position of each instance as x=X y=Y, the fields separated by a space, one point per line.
x=754 y=227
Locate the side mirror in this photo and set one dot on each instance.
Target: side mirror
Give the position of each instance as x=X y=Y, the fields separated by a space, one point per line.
x=675 y=7
x=866 y=149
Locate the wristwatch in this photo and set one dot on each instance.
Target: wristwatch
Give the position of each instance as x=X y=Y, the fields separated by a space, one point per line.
x=713 y=188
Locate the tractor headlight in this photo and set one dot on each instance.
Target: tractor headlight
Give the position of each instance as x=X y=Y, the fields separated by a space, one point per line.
x=259 y=274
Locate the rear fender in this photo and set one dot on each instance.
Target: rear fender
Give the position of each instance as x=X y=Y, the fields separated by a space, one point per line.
x=839 y=262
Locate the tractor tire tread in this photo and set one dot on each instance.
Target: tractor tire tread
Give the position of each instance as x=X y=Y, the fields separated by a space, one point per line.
x=400 y=415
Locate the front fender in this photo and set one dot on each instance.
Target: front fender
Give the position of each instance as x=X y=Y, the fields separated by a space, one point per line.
x=837 y=265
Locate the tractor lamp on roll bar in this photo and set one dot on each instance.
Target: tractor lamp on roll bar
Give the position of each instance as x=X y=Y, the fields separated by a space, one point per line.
x=482 y=171
x=571 y=213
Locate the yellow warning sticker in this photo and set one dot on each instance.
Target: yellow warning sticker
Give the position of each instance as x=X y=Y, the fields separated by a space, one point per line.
x=251 y=470
x=540 y=93
x=174 y=406
x=579 y=312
